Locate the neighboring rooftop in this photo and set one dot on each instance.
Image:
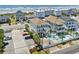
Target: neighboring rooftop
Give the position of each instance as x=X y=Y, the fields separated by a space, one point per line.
x=55 y=20
x=76 y=18
x=66 y=18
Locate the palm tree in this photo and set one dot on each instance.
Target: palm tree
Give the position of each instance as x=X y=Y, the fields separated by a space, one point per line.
x=37 y=40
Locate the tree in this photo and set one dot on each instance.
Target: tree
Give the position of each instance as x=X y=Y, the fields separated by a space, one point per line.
x=64 y=14
x=74 y=15
x=27 y=27
x=69 y=31
x=1 y=40
x=9 y=21
x=36 y=38
x=31 y=34
x=76 y=33
x=61 y=36
x=53 y=14
x=31 y=13
x=13 y=21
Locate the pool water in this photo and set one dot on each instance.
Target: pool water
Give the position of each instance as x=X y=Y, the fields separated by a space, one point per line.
x=55 y=37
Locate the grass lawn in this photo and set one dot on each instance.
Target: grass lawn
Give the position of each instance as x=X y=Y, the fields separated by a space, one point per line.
x=36 y=52
x=13 y=21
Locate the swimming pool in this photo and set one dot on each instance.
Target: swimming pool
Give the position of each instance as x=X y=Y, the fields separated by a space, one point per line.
x=55 y=37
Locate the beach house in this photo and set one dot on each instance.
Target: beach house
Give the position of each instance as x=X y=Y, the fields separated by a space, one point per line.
x=70 y=23
x=57 y=24
x=4 y=19
x=48 y=12
x=72 y=11
x=20 y=17
x=39 y=26
x=57 y=12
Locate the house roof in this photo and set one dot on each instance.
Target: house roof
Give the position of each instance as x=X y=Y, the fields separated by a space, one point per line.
x=38 y=21
x=55 y=20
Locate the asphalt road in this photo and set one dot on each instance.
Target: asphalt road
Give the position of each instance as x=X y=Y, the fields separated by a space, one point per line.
x=75 y=51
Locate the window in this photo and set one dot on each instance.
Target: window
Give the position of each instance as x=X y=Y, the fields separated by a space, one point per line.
x=21 y=18
x=17 y=20
x=62 y=28
x=69 y=22
x=72 y=22
x=69 y=26
x=59 y=28
x=73 y=29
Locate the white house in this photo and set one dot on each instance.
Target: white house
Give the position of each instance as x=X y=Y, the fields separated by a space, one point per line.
x=57 y=12
x=39 y=13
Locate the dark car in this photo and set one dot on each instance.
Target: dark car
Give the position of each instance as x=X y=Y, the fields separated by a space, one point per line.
x=26 y=38
x=6 y=43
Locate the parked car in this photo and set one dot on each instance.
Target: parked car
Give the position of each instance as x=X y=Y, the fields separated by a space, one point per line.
x=6 y=43
x=7 y=38
x=24 y=34
x=26 y=38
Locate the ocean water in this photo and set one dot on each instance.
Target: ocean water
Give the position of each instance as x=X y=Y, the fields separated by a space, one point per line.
x=33 y=6
x=13 y=8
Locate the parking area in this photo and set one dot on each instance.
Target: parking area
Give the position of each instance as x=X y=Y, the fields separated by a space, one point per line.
x=9 y=49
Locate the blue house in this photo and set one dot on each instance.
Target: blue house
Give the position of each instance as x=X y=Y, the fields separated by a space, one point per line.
x=70 y=23
x=56 y=24
x=39 y=26
x=4 y=19
x=20 y=17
